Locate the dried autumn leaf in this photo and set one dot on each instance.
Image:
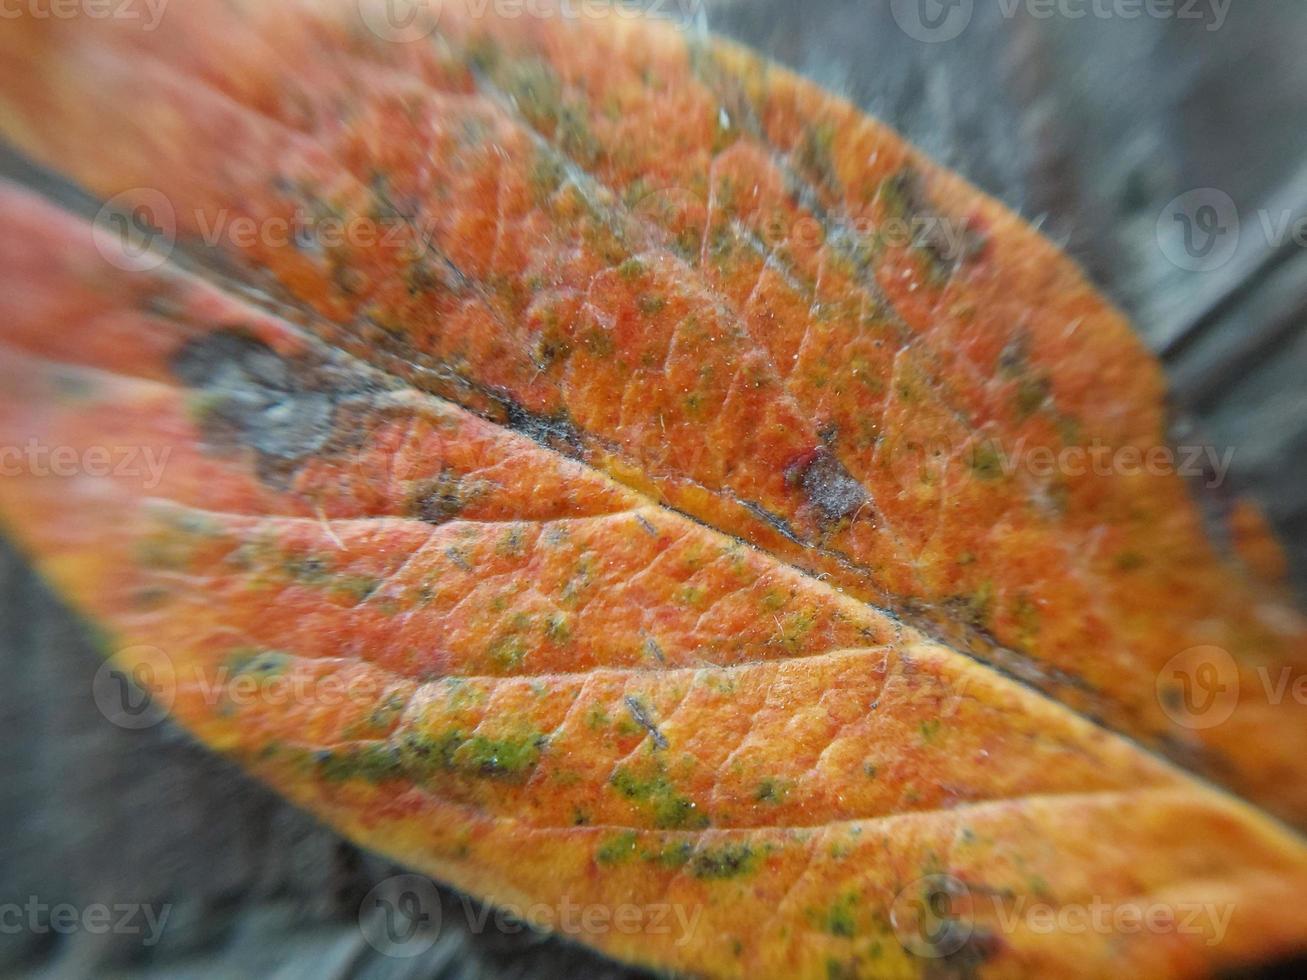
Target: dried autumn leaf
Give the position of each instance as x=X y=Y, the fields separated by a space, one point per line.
x=554 y=393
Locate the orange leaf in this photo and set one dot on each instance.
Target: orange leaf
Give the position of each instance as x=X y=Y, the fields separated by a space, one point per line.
x=598 y=468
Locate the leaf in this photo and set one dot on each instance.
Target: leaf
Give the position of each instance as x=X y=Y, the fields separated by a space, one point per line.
x=538 y=449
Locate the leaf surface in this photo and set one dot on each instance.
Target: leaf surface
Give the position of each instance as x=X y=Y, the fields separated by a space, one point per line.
x=644 y=505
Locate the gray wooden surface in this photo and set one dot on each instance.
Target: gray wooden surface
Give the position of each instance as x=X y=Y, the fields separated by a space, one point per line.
x=1092 y=126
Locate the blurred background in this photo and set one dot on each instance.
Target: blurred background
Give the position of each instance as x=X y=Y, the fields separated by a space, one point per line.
x=1163 y=144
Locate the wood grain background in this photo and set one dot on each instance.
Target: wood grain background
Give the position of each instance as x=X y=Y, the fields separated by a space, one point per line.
x=1091 y=126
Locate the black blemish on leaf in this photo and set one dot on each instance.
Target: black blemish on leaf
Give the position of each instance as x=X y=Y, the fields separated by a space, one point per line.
x=459 y=557
x=440 y=500
x=556 y=432
x=310 y=569
x=827 y=485
x=643 y=718
x=728 y=861
x=772 y=791
x=249 y=396
x=774 y=521
x=260 y=664
x=965 y=954
x=654 y=650
x=253 y=396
